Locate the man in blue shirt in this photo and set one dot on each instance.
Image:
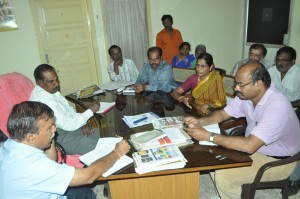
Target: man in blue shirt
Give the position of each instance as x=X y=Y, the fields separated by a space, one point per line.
x=156 y=75
x=27 y=159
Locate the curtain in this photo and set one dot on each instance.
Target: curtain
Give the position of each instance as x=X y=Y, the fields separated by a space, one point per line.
x=126 y=26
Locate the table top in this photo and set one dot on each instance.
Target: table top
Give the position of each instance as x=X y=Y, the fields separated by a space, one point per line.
x=199 y=157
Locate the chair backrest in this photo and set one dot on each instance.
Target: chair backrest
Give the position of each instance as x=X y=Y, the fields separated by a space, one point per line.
x=221 y=71
x=228 y=81
x=14 y=88
x=181 y=74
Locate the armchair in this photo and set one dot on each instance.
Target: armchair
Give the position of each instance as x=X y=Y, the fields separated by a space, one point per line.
x=15 y=88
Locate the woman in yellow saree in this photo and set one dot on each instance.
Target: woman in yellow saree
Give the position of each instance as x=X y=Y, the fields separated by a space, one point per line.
x=207 y=85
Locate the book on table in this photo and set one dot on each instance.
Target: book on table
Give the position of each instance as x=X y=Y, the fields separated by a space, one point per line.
x=88 y=92
x=105 y=107
x=159 y=158
x=156 y=138
x=104 y=147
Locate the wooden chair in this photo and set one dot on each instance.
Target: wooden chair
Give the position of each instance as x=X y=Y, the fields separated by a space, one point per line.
x=248 y=190
x=80 y=108
x=181 y=74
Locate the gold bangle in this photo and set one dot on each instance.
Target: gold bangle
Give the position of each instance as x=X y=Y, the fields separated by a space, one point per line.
x=118 y=153
x=180 y=98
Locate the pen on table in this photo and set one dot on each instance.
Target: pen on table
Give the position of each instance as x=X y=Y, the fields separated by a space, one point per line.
x=140 y=120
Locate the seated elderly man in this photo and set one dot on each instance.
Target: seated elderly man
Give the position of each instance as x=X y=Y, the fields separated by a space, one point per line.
x=285 y=75
x=73 y=133
x=257 y=52
x=121 y=70
x=273 y=129
x=27 y=159
x=156 y=75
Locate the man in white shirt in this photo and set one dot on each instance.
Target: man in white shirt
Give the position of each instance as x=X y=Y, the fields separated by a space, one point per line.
x=257 y=52
x=286 y=76
x=73 y=133
x=121 y=70
x=28 y=164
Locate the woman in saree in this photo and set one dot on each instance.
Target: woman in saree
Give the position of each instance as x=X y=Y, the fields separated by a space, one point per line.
x=184 y=59
x=207 y=86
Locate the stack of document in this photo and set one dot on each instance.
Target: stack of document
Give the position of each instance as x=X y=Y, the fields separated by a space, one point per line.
x=105 y=107
x=211 y=128
x=167 y=122
x=160 y=158
x=104 y=147
x=115 y=85
x=156 y=138
x=139 y=120
x=129 y=91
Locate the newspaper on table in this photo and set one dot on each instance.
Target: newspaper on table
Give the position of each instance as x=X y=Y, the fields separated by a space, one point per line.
x=139 y=120
x=167 y=122
x=160 y=158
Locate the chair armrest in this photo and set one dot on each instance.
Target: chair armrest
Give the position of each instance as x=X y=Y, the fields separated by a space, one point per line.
x=61 y=153
x=276 y=163
x=233 y=126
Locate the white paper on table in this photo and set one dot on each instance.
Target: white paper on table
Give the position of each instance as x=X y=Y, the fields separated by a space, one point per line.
x=129 y=120
x=115 y=85
x=104 y=147
x=211 y=128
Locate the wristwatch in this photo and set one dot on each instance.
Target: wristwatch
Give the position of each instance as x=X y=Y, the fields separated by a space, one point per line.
x=211 y=137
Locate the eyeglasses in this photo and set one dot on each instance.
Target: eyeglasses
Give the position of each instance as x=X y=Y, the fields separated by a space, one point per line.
x=282 y=60
x=240 y=84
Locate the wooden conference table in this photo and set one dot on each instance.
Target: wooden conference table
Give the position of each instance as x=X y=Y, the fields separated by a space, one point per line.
x=177 y=183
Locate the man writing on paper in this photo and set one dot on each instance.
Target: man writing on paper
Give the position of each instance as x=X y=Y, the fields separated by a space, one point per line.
x=27 y=159
x=156 y=75
x=74 y=134
x=273 y=129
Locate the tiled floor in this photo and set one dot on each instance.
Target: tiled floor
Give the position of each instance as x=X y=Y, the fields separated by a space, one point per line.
x=207 y=190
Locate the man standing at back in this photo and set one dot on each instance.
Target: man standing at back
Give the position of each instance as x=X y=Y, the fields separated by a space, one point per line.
x=74 y=134
x=257 y=52
x=168 y=39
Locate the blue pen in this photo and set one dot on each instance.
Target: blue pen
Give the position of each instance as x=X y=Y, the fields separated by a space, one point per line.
x=140 y=120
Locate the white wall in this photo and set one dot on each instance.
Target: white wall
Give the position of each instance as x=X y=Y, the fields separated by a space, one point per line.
x=218 y=24
x=18 y=48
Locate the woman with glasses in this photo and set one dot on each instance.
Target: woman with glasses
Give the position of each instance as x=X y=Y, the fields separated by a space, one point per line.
x=207 y=86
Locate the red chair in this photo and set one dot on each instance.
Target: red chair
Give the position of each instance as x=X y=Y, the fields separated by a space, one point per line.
x=16 y=88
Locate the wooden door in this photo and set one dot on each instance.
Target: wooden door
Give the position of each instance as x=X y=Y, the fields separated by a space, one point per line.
x=64 y=41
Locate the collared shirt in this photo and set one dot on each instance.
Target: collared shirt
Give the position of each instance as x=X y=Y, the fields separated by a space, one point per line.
x=159 y=79
x=169 y=43
x=127 y=72
x=273 y=120
x=243 y=61
x=66 y=117
x=28 y=173
x=290 y=84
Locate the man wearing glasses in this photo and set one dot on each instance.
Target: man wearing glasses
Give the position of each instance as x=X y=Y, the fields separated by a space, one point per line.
x=272 y=129
x=286 y=79
x=156 y=75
